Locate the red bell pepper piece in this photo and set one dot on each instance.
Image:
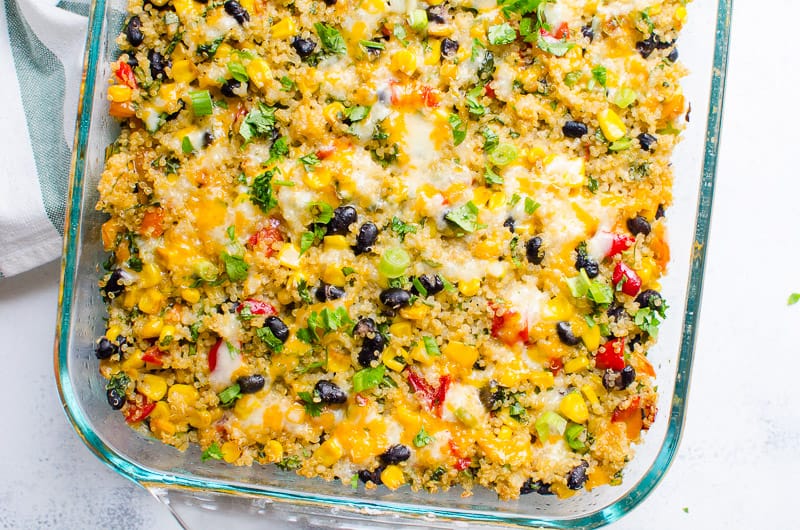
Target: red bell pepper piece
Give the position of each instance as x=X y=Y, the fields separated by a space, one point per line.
x=561 y=32
x=611 y=355
x=430 y=98
x=620 y=243
x=139 y=409
x=489 y=91
x=508 y=327
x=632 y=282
x=325 y=152
x=627 y=412
x=433 y=396
x=153 y=355
x=556 y=365
x=257 y=307
x=267 y=236
x=124 y=73
x=212 y=355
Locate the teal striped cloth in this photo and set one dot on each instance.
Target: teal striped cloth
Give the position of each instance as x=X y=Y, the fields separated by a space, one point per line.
x=41 y=57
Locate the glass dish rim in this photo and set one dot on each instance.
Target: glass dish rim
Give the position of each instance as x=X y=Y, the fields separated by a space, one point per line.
x=147 y=478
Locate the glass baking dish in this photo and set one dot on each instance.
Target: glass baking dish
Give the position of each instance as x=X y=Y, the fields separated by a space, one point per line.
x=263 y=493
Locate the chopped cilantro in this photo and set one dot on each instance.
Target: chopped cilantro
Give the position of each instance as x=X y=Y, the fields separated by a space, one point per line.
x=572 y=78
x=356 y=113
x=491 y=177
x=600 y=74
x=402 y=228
x=235 y=267
x=422 y=438
x=332 y=41
x=261 y=193
x=459 y=128
x=228 y=396
x=490 y=139
x=430 y=346
x=119 y=382
x=269 y=338
x=465 y=217
x=309 y=161
x=289 y=463
x=793 y=298
x=368 y=378
x=501 y=34
x=313 y=408
x=278 y=150
x=238 y=72
x=287 y=85
x=558 y=48
x=212 y=453
x=531 y=206
x=259 y=122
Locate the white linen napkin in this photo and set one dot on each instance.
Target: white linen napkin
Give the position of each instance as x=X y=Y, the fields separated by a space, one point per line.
x=41 y=58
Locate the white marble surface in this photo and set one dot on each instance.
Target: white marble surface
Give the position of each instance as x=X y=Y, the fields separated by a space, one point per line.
x=738 y=462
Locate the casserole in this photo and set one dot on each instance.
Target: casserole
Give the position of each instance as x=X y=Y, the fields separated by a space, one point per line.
x=161 y=468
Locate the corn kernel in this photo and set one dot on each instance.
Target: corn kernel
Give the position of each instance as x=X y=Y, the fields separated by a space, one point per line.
x=151 y=301
x=333 y=275
x=389 y=360
x=591 y=339
x=186 y=9
x=150 y=276
x=333 y=112
x=542 y=380
x=558 y=308
x=152 y=386
x=284 y=29
x=151 y=329
x=191 y=295
x=119 y=93
x=392 y=477
x=113 y=332
x=496 y=201
x=230 y=451
x=434 y=52
x=680 y=13
x=329 y=452
x=274 y=451
x=259 y=72
x=486 y=249
x=163 y=426
x=404 y=61
x=133 y=362
x=224 y=51
x=574 y=407
x=131 y=298
x=420 y=354
x=184 y=71
x=576 y=365
x=318 y=179
x=441 y=30
x=289 y=256
x=469 y=288
x=335 y=242
x=200 y=419
x=400 y=329
x=183 y=395
x=612 y=125
x=373 y=6
x=166 y=335
x=461 y=353
x=648 y=271
x=160 y=411
x=249 y=5
x=415 y=312
x=505 y=433
x=590 y=394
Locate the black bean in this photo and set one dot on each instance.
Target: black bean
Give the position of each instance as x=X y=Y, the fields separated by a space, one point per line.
x=396 y=454
x=574 y=129
x=303 y=47
x=327 y=292
x=133 y=62
x=229 y=86
x=673 y=55
x=366 y=475
x=646 y=141
x=638 y=225
x=588 y=264
x=492 y=395
x=511 y=224
x=395 y=297
x=133 y=31
x=449 y=47
x=114 y=285
x=437 y=14
x=343 y=217
x=329 y=392
x=611 y=379
x=432 y=283
x=250 y=384
x=369 y=352
x=367 y=235
x=533 y=250
x=535 y=486
x=208 y=139
x=115 y=399
x=566 y=335
x=616 y=312
x=649 y=298
x=646 y=47
x=577 y=476
x=627 y=377
x=660 y=211
x=158 y=64
x=278 y=328
x=235 y=9
x=330 y=2
x=588 y=32
x=105 y=349
x=365 y=327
